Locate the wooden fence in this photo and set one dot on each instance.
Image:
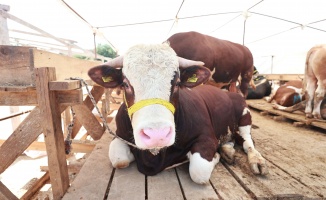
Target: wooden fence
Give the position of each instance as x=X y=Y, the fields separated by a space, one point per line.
x=31 y=77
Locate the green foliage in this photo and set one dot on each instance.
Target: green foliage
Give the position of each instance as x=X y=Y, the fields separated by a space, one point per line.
x=81 y=57
x=106 y=50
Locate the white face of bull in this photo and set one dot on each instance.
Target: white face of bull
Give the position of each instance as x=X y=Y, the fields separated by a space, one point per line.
x=150 y=70
x=146 y=75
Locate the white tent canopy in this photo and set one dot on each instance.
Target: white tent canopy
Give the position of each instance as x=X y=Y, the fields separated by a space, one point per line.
x=278 y=32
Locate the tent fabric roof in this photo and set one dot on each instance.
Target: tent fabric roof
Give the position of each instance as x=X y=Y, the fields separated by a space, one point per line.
x=278 y=32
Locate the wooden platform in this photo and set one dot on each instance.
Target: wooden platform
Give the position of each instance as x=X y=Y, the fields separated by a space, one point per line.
x=298 y=116
x=295 y=156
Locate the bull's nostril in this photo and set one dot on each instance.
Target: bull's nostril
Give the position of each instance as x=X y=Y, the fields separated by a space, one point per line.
x=156 y=137
x=144 y=135
x=169 y=133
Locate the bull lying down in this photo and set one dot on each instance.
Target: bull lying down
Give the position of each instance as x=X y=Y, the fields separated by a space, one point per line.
x=169 y=119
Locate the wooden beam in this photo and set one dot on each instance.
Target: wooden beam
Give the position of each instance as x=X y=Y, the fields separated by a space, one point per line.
x=89 y=121
x=66 y=66
x=64 y=85
x=77 y=146
x=97 y=92
x=15 y=66
x=20 y=21
x=5 y=193
x=283 y=77
x=26 y=98
x=69 y=97
x=27 y=132
x=24 y=135
x=52 y=130
x=16 y=88
x=29 y=98
x=40 y=35
x=36 y=187
x=72 y=168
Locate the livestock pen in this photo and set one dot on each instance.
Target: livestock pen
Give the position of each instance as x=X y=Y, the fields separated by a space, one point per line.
x=295 y=155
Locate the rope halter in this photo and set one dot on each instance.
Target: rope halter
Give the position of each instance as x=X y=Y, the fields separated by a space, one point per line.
x=140 y=104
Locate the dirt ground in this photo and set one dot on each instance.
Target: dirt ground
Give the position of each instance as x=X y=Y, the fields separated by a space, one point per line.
x=297 y=151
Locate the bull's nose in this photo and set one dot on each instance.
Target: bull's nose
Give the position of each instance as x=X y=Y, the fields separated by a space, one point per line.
x=156 y=137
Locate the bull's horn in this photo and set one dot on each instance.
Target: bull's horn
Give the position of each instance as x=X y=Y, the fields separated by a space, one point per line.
x=115 y=62
x=187 y=63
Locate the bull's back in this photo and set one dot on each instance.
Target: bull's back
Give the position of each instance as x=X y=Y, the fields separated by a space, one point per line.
x=228 y=59
x=212 y=51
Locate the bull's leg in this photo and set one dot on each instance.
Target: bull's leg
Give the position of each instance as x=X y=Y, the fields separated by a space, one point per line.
x=120 y=154
x=299 y=106
x=200 y=169
x=318 y=98
x=256 y=161
x=310 y=90
x=244 y=84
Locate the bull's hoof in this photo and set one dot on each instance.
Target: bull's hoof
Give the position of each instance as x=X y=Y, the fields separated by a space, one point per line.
x=227 y=153
x=317 y=116
x=119 y=154
x=308 y=115
x=257 y=163
x=121 y=164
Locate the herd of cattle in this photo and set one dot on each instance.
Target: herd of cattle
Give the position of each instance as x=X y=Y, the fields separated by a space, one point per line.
x=174 y=108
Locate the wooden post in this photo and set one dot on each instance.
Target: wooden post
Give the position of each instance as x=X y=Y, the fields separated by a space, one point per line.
x=97 y=92
x=4 y=40
x=52 y=130
x=5 y=193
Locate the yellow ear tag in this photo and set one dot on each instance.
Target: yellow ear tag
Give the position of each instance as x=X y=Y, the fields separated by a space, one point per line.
x=107 y=79
x=192 y=79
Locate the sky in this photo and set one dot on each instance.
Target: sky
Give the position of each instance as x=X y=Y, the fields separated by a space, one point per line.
x=277 y=32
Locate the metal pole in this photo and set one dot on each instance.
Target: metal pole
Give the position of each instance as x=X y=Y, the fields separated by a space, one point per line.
x=244 y=31
x=95 y=45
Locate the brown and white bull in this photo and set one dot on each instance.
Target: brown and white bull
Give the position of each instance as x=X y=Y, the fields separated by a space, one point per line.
x=289 y=98
x=163 y=110
x=228 y=61
x=315 y=80
x=288 y=94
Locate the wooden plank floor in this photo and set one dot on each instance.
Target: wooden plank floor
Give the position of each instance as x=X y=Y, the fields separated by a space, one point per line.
x=295 y=156
x=298 y=116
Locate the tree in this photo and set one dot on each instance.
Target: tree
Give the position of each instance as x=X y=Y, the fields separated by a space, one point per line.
x=106 y=51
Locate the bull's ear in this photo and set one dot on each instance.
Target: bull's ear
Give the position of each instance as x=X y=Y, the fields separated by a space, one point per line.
x=106 y=76
x=194 y=76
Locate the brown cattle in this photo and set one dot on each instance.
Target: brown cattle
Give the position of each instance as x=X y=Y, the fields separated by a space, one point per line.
x=169 y=116
x=228 y=61
x=288 y=94
x=288 y=98
x=315 y=80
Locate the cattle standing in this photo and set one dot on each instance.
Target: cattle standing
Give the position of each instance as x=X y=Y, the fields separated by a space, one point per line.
x=288 y=98
x=228 y=61
x=163 y=110
x=315 y=80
